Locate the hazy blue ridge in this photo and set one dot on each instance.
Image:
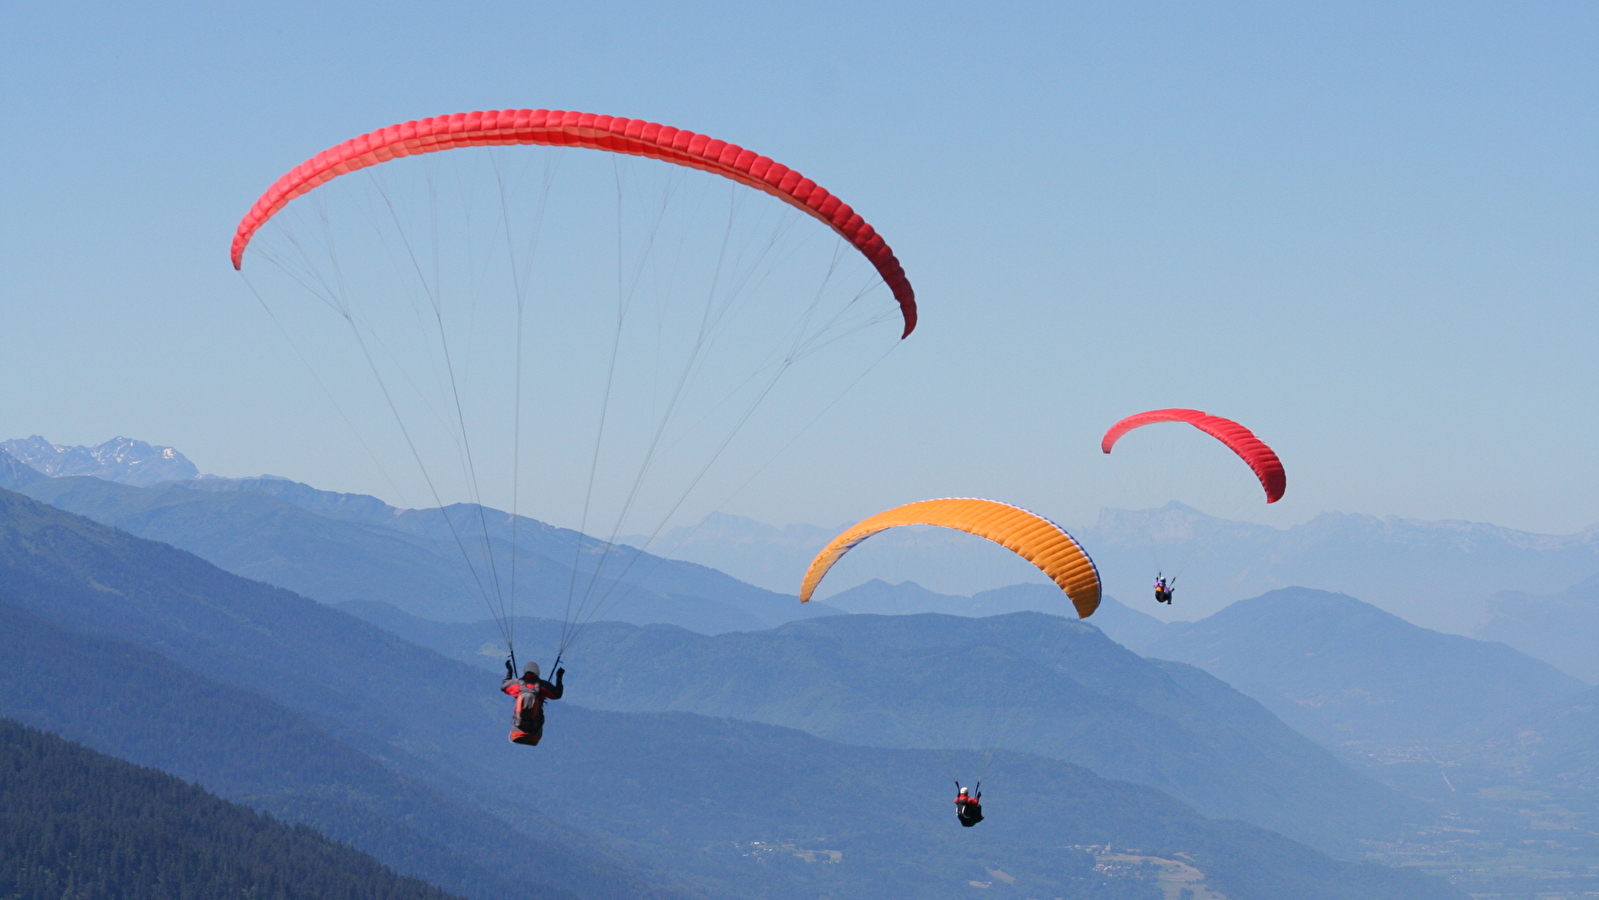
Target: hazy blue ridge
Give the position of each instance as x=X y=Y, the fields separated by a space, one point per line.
x=1357 y=678
x=587 y=554
x=265 y=539
x=1121 y=623
x=251 y=750
x=878 y=597
x=15 y=475
x=344 y=676
x=341 y=547
x=1023 y=681
x=767 y=555
x=1440 y=574
x=76 y=823
x=1561 y=628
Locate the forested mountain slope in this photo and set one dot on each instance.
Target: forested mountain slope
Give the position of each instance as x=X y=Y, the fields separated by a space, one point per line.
x=77 y=824
x=140 y=706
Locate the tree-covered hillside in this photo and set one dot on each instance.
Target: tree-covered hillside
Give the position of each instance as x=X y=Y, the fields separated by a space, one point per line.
x=251 y=750
x=77 y=824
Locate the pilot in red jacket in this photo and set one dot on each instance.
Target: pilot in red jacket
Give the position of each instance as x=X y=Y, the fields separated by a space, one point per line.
x=969 y=807
x=527 y=723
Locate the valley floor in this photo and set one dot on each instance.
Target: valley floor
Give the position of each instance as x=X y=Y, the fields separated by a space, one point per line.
x=1506 y=845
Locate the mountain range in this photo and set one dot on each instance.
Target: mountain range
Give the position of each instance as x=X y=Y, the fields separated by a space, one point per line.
x=1493 y=724
x=1361 y=680
x=1440 y=575
x=341 y=547
x=1447 y=575
x=1382 y=692
x=120 y=459
x=1504 y=747
x=630 y=804
x=1122 y=623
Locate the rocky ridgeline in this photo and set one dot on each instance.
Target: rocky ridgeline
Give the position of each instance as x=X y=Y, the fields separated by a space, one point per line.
x=120 y=459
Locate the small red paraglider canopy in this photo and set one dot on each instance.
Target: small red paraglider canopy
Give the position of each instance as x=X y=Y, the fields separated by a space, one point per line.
x=1252 y=450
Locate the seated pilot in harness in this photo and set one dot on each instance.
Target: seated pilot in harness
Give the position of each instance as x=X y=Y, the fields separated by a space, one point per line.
x=527 y=723
x=969 y=807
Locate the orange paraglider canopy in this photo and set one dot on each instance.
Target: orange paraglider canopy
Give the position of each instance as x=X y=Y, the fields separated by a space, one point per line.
x=1027 y=534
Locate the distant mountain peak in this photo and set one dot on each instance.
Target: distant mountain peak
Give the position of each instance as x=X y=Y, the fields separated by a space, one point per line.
x=15 y=474
x=1300 y=603
x=727 y=526
x=1558 y=628
x=120 y=459
x=1464 y=535
x=1173 y=522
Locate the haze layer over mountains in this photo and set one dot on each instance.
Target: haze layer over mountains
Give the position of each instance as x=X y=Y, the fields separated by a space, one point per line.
x=709 y=712
x=1443 y=575
x=1531 y=591
x=627 y=804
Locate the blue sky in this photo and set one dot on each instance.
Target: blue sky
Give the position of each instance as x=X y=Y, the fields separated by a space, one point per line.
x=1369 y=231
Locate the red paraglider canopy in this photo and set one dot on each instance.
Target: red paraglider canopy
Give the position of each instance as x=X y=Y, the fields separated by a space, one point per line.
x=559 y=128
x=1252 y=450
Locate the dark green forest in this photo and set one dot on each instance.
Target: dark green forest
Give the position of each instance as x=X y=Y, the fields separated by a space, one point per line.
x=77 y=824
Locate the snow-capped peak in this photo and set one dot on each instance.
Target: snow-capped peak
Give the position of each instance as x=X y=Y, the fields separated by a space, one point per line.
x=120 y=459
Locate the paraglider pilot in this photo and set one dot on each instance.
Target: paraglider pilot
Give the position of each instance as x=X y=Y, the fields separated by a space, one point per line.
x=1162 y=589
x=527 y=723
x=969 y=807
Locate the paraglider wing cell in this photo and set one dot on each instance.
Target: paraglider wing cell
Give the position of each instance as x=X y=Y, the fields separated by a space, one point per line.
x=558 y=128
x=1252 y=450
x=1027 y=534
